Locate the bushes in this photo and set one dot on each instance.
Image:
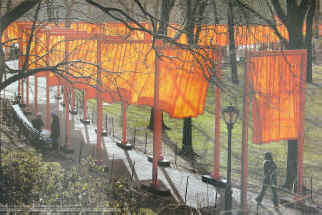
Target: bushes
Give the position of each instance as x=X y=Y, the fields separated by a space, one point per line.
x=21 y=177
x=27 y=179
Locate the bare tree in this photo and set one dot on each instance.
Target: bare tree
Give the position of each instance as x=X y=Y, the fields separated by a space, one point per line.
x=294 y=14
x=7 y=16
x=194 y=16
x=232 y=48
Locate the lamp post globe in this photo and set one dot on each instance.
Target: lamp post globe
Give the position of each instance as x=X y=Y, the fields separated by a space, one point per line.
x=230 y=115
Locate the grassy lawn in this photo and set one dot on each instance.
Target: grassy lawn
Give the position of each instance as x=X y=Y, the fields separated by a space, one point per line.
x=203 y=132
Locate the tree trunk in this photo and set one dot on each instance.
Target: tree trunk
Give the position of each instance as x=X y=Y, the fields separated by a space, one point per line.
x=187 y=137
x=297 y=42
x=194 y=15
x=150 y=126
x=291 y=171
x=1 y=173
x=166 y=7
x=308 y=41
x=232 y=48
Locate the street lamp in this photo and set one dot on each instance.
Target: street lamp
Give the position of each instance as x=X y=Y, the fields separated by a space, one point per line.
x=230 y=115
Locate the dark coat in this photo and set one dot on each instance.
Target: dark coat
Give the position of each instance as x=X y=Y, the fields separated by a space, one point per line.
x=55 y=129
x=269 y=172
x=37 y=123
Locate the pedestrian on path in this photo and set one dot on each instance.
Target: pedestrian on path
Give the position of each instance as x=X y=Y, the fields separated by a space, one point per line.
x=269 y=180
x=37 y=122
x=55 y=130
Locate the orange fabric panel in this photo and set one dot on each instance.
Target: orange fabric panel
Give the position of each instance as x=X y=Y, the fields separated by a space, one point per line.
x=173 y=30
x=214 y=35
x=119 y=29
x=183 y=86
x=112 y=29
x=275 y=79
x=107 y=95
x=54 y=80
x=90 y=93
x=120 y=63
x=56 y=49
x=84 y=72
x=11 y=34
x=38 y=54
x=56 y=52
x=86 y=27
x=41 y=46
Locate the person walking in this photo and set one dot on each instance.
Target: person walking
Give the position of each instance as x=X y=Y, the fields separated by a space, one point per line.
x=269 y=180
x=37 y=122
x=55 y=130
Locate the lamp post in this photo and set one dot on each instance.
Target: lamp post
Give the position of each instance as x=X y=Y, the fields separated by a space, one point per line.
x=230 y=115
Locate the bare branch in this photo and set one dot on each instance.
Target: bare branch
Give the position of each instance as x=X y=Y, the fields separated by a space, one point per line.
x=280 y=13
x=31 y=37
x=271 y=23
x=16 y=13
x=109 y=11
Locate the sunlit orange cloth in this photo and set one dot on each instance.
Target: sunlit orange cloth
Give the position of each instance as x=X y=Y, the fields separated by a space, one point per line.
x=119 y=29
x=106 y=95
x=121 y=62
x=38 y=54
x=214 y=35
x=277 y=80
x=183 y=84
x=86 y=27
x=56 y=52
x=10 y=36
x=112 y=29
x=82 y=73
x=90 y=93
x=58 y=37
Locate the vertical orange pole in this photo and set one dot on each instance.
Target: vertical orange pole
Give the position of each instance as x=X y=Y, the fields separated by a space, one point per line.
x=27 y=91
x=99 y=106
x=47 y=102
x=58 y=91
x=20 y=62
x=19 y=92
x=157 y=123
x=47 y=88
x=73 y=98
x=216 y=170
x=124 y=109
x=36 y=94
x=244 y=155
x=84 y=105
x=67 y=123
x=6 y=55
x=4 y=90
x=301 y=126
x=22 y=91
x=66 y=102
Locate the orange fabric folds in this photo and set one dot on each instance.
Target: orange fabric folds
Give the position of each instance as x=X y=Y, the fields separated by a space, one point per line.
x=83 y=54
x=122 y=62
x=277 y=80
x=56 y=56
x=38 y=54
x=182 y=81
x=10 y=35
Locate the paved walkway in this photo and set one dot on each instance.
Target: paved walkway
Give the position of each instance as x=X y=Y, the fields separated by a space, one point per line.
x=195 y=193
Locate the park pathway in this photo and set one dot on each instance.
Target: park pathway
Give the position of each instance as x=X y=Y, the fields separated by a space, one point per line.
x=185 y=186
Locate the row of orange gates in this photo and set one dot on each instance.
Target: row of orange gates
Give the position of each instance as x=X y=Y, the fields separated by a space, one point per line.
x=112 y=64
